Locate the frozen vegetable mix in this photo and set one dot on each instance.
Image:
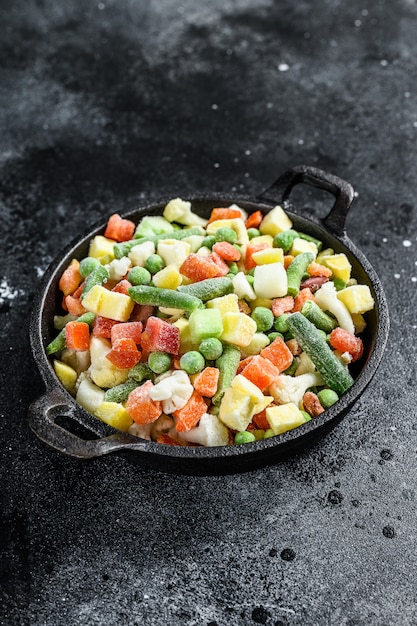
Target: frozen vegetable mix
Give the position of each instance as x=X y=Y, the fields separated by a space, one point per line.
x=208 y=332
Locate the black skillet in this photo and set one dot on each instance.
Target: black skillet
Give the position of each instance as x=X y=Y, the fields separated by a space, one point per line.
x=60 y=422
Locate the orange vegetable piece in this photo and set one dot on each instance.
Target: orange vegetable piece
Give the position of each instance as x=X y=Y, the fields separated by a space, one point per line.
x=190 y=414
x=226 y=251
x=222 y=267
x=251 y=248
x=282 y=305
x=74 y=306
x=224 y=214
x=198 y=268
x=315 y=269
x=260 y=421
x=102 y=326
x=124 y=353
x=243 y=364
x=304 y=295
x=77 y=336
x=167 y=440
x=126 y=330
x=122 y=287
x=71 y=278
x=254 y=219
x=140 y=406
x=341 y=339
x=205 y=383
x=288 y=259
x=119 y=229
x=278 y=353
x=261 y=372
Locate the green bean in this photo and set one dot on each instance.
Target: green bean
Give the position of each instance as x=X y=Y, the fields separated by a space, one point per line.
x=318 y=317
x=123 y=248
x=120 y=393
x=98 y=276
x=209 y=288
x=169 y=298
x=296 y=270
x=317 y=242
x=227 y=365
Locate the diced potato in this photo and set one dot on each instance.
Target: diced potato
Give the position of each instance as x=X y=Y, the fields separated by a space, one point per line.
x=257 y=343
x=270 y=281
x=274 y=222
x=238 y=329
x=284 y=417
x=114 y=414
x=268 y=239
x=301 y=245
x=357 y=298
x=268 y=255
x=101 y=247
x=225 y=304
x=66 y=374
x=168 y=277
x=112 y=304
x=339 y=264
x=186 y=343
x=235 y=409
x=242 y=287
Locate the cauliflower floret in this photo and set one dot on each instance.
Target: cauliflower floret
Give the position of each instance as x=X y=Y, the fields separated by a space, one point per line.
x=102 y=371
x=326 y=298
x=178 y=210
x=173 y=389
x=118 y=268
x=209 y=432
x=287 y=389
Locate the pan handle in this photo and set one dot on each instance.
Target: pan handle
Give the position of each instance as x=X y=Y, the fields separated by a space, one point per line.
x=339 y=188
x=42 y=415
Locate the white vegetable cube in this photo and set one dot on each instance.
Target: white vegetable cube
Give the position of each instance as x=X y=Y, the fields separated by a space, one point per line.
x=89 y=395
x=242 y=288
x=173 y=252
x=284 y=417
x=257 y=343
x=168 y=277
x=138 y=254
x=112 y=304
x=302 y=245
x=357 y=299
x=119 y=268
x=235 y=409
x=238 y=328
x=274 y=222
x=102 y=371
x=209 y=432
x=270 y=281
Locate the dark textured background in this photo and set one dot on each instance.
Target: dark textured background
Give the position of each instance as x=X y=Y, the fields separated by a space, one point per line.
x=107 y=105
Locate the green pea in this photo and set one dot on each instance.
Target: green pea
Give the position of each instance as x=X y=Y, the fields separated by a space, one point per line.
x=253 y=232
x=263 y=317
x=327 y=398
x=226 y=234
x=159 y=362
x=87 y=265
x=233 y=268
x=274 y=335
x=250 y=279
x=281 y=323
x=139 y=276
x=211 y=348
x=209 y=241
x=154 y=263
x=339 y=284
x=244 y=437
x=192 y=362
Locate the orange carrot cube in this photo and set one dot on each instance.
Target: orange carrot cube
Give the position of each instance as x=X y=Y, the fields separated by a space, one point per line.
x=77 y=336
x=190 y=414
x=198 y=268
x=205 y=383
x=119 y=229
x=71 y=278
x=282 y=305
x=251 y=248
x=226 y=251
x=278 y=353
x=224 y=214
x=261 y=372
x=140 y=406
x=343 y=340
x=124 y=353
x=304 y=295
x=254 y=219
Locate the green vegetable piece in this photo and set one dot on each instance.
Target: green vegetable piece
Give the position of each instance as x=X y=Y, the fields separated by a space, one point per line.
x=334 y=374
x=296 y=270
x=120 y=393
x=253 y=232
x=211 y=348
x=154 y=263
x=318 y=317
x=153 y=225
x=272 y=336
x=209 y=241
x=281 y=323
x=87 y=265
x=98 y=276
x=307 y=417
x=58 y=343
x=209 y=288
x=170 y=298
x=204 y=323
x=339 y=284
x=306 y=237
x=263 y=317
x=227 y=365
x=192 y=362
x=233 y=268
x=159 y=362
x=327 y=398
x=139 y=276
x=269 y=433
x=290 y=371
x=141 y=372
x=123 y=248
x=226 y=234
x=285 y=239
x=244 y=437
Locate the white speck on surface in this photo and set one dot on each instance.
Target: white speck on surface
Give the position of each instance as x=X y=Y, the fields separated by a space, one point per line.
x=7 y=292
x=358 y=23
x=384 y=239
x=396 y=275
x=384 y=62
x=407 y=94
x=301 y=142
x=364 y=12
x=247 y=152
x=39 y=271
x=216 y=165
x=406 y=243
x=356 y=194
x=414 y=279
x=283 y=67
x=415 y=124
x=101 y=6
x=214 y=107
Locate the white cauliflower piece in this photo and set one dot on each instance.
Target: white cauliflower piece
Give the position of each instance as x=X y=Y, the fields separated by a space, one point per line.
x=209 y=432
x=326 y=298
x=102 y=371
x=118 y=268
x=178 y=210
x=173 y=389
x=242 y=288
x=287 y=389
x=305 y=365
x=138 y=254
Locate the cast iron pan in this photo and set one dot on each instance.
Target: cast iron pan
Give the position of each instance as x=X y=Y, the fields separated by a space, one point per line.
x=60 y=422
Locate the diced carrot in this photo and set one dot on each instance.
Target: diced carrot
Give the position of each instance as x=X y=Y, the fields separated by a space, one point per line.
x=251 y=248
x=226 y=251
x=140 y=406
x=282 y=305
x=167 y=440
x=243 y=364
x=71 y=278
x=206 y=382
x=254 y=219
x=224 y=214
x=278 y=353
x=102 y=326
x=260 y=420
x=288 y=259
x=130 y=330
x=160 y=335
x=119 y=229
x=343 y=340
x=77 y=336
x=190 y=414
x=222 y=267
x=304 y=295
x=198 y=268
x=261 y=372
x=315 y=269
x=124 y=353
x=74 y=305
x=122 y=287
